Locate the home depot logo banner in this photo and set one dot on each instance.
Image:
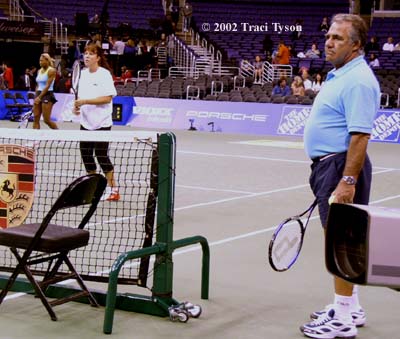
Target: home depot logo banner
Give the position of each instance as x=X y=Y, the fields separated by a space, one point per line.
x=17 y=170
x=293 y=120
x=386 y=126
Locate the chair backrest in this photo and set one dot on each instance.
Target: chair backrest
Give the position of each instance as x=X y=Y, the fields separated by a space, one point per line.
x=9 y=98
x=85 y=190
x=20 y=98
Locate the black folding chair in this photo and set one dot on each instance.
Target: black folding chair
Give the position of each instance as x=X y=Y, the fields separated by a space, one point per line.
x=51 y=243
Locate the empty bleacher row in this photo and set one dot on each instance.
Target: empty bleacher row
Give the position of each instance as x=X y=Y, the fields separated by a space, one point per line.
x=225 y=88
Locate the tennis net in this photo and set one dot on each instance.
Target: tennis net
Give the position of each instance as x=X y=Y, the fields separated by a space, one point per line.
x=39 y=164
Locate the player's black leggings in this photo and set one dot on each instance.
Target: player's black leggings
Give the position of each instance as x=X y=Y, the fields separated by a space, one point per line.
x=99 y=149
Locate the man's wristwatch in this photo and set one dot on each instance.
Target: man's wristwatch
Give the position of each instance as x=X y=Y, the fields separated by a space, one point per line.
x=349 y=180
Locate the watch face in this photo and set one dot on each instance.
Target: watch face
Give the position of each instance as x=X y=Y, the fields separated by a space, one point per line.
x=349 y=180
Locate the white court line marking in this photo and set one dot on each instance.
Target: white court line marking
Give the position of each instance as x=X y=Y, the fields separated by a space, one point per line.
x=213 y=189
x=262 y=158
x=243 y=157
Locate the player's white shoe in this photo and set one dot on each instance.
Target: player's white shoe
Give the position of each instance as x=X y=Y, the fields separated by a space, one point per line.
x=359 y=317
x=328 y=326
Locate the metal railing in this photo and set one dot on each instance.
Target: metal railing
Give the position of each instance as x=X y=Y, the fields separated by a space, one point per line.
x=16 y=12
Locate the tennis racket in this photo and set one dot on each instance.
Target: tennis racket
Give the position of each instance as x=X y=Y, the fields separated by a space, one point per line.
x=287 y=240
x=76 y=74
x=25 y=119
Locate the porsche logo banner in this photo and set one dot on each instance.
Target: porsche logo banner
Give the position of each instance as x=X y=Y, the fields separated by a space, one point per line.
x=17 y=170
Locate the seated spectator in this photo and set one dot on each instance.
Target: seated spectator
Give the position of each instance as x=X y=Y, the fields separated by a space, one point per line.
x=373 y=61
x=397 y=47
x=297 y=86
x=313 y=52
x=324 y=25
x=281 y=88
x=371 y=45
x=317 y=83
x=258 y=68
x=125 y=73
x=388 y=46
x=305 y=78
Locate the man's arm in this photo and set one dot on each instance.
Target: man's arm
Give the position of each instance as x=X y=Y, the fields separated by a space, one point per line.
x=344 y=193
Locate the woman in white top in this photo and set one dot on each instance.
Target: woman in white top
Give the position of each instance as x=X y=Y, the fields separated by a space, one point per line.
x=44 y=96
x=317 y=83
x=94 y=104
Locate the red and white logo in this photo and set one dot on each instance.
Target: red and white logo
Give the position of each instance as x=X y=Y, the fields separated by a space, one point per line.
x=17 y=172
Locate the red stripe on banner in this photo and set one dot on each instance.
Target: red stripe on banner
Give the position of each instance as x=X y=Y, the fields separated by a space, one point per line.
x=3 y=204
x=21 y=168
x=25 y=186
x=3 y=222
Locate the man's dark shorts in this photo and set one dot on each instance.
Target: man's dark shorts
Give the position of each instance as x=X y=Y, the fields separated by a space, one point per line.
x=326 y=174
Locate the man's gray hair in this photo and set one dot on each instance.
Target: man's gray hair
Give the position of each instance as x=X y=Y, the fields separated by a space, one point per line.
x=359 y=31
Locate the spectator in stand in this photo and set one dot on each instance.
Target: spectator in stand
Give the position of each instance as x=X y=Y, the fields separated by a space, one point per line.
x=317 y=83
x=24 y=81
x=373 y=61
x=397 y=47
x=283 y=54
x=298 y=86
x=116 y=45
x=388 y=46
x=187 y=12
x=298 y=32
x=281 y=88
x=371 y=45
x=313 y=52
x=125 y=73
x=8 y=75
x=174 y=8
x=95 y=19
x=268 y=45
x=258 y=67
x=130 y=48
x=307 y=84
x=32 y=77
x=324 y=25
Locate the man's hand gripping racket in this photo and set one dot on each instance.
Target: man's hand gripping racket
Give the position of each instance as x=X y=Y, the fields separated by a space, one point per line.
x=287 y=240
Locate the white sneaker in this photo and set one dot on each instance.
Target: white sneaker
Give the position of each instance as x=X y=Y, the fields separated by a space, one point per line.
x=359 y=317
x=329 y=327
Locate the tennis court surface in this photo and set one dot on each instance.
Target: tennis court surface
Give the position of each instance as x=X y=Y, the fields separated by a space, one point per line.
x=233 y=190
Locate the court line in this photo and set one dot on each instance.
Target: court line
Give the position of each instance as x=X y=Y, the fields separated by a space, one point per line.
x=212 y=189
x=262 y=158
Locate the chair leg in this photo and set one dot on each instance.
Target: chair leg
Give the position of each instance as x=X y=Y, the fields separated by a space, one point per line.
x=40 y=293
x=23 y=266
x=83 y=286
x=10 y=282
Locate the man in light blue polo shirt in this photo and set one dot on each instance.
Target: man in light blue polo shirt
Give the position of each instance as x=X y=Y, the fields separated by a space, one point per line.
x=336 y=138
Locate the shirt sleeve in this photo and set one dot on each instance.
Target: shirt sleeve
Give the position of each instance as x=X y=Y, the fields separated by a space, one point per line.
x=360 y=104
x=108 y=87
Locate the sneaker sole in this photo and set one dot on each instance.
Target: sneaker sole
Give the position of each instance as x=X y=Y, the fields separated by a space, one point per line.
x=324 y=335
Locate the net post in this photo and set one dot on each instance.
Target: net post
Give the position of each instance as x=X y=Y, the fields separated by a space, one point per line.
x=163 y=270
